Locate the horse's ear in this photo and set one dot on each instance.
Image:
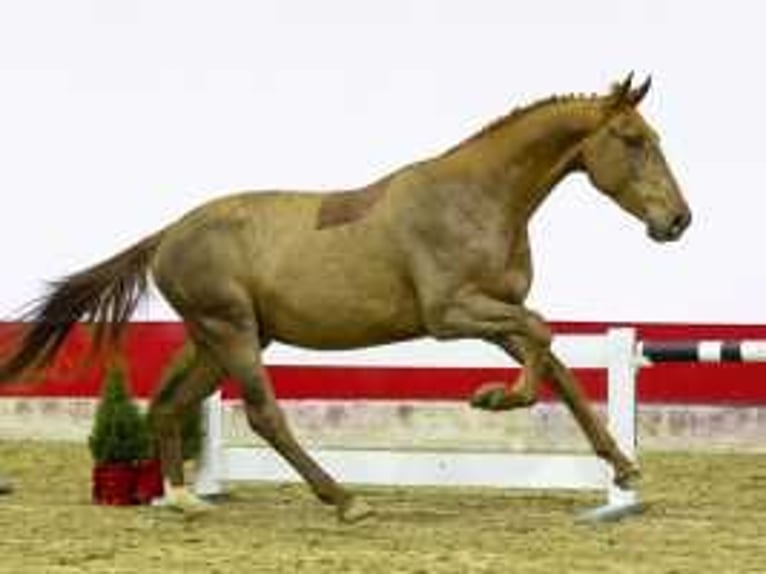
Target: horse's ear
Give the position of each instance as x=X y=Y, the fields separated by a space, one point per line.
x=621 y=91
x=634 y=97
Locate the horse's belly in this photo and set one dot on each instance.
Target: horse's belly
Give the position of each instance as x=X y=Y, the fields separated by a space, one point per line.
x=325 y=321
x=339 y=310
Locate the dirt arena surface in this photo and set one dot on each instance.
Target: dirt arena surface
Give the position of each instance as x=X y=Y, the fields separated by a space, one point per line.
x=707 y=513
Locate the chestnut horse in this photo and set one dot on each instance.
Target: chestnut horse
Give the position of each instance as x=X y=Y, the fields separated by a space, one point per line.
x=439 y=248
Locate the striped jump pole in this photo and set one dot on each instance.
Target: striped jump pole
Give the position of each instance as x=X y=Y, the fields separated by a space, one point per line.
x=702 y=351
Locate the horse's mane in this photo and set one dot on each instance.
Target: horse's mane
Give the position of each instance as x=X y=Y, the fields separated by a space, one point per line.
x=522 y=111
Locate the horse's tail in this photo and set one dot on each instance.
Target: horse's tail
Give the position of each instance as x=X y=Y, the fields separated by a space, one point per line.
x=104 y=295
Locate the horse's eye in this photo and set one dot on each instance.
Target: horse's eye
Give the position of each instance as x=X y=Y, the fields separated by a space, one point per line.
x=634 y=140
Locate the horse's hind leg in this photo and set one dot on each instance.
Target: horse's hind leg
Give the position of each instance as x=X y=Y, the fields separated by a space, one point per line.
x=188 y=381
x=234 y=344
x=268 y=420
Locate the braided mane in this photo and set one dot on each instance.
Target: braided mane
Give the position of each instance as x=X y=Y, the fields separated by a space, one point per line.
x=519 y=112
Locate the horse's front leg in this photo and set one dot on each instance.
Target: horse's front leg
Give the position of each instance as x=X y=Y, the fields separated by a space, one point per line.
x=500 y=396
x=601 y=440
x=547 y=366
x=526 y=337
x=517 y=330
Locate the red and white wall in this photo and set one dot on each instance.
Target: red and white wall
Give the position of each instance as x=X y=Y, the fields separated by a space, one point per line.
x=415 y=395
x=118 y=117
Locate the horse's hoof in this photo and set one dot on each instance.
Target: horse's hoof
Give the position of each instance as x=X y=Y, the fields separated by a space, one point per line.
x=497 y=397
x=183 y=501
x=354 y=510
x=490 y=397
x=627 y=477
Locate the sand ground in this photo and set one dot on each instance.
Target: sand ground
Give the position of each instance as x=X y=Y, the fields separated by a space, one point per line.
x=707 y=513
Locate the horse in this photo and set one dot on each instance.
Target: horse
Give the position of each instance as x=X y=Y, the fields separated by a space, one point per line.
x=439 y=248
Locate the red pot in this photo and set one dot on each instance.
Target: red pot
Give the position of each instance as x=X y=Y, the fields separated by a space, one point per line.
x=149 y=484
x=114 y=483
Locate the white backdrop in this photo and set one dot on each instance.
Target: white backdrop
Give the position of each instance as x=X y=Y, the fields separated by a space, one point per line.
x=116 y=117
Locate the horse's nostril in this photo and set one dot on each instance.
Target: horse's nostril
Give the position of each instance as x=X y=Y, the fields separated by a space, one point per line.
x=681 y=222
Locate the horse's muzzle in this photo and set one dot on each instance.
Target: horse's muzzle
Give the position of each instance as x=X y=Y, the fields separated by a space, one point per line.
x=673 y=230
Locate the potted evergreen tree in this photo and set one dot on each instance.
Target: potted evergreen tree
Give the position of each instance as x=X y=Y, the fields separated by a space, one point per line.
x=119 y=439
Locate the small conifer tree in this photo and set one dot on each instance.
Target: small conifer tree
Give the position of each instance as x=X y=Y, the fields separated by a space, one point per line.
x=120 y=433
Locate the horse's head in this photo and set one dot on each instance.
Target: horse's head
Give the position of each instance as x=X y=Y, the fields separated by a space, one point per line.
x=623 y=159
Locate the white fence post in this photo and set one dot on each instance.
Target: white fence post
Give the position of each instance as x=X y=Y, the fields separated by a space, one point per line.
x=621 y=401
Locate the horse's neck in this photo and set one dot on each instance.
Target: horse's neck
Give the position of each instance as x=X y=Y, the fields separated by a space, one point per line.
x=521 y=159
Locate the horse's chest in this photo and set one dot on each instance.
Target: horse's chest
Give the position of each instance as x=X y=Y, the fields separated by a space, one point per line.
x=514 y=275
x=505 y=274
x=516 y=283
